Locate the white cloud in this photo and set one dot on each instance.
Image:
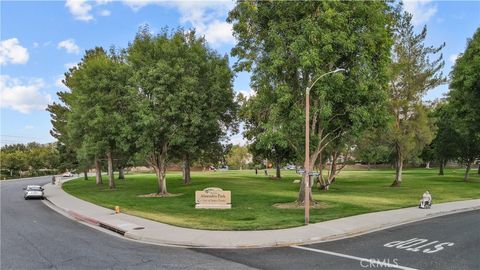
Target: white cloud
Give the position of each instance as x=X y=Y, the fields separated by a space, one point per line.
x=206 y=17
x=217 y=32
x=35 y=44
x=422 y=10
x=28 y=127
x=103 y=2
x=80 y=9
x=12 y=52
x=105 y=13
x=238 y=139
x=453 y=58
x=22 y=96
x=69 y=45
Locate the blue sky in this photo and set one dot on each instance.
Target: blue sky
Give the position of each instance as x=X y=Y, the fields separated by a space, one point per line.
x=41 y=39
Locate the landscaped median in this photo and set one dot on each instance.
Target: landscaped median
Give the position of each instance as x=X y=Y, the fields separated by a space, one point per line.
x=254 y=197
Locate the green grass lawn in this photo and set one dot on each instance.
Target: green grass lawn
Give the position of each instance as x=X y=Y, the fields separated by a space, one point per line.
x=253 y=196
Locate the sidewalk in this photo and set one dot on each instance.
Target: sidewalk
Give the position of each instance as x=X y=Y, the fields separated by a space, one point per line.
x=158 y=233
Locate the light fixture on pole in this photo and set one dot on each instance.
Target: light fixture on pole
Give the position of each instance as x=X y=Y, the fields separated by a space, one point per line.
x=306 y=176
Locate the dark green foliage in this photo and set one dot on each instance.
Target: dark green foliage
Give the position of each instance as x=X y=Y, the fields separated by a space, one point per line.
x=288 y=45
x=464 y=102
x=413 y=73
x=30 y=159
x=185 y=100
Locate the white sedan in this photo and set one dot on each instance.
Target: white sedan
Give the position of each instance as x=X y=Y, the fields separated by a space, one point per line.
x=33 y=191
x=67 y=174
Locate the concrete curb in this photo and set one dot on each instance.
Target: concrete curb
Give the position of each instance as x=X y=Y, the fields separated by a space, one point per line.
x=393 y=225
x=310 y=241
x=124 y=226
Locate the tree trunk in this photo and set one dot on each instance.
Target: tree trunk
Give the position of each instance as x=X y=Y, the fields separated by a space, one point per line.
x=111 y=180
x=98 y=172
x=186 y=170
x=320 y=170
x=301 y=194
x=368 y=166
x=121 y=173
x=278 y=170
x=333 y=168
x=158 y=162
x=467 y=171
x=398 y=168
x=162 y=179
x=85 y=174
x=442 y=165
x=427 y=166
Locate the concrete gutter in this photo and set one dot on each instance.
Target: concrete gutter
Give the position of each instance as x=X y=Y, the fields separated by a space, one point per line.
x=148 y=231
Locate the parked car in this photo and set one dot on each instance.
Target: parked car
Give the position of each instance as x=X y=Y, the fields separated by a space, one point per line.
x=223 y=168
x=33 y=191
x=290 y=167
x=67 y=174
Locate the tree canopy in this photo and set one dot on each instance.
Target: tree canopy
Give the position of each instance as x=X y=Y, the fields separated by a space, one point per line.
x=185 y=99
x=463 y=102
x=288 y=45
x=412 y=73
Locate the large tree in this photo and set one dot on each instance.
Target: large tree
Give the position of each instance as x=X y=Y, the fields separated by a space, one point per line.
x=101 y=114
x=185 y=96
x=413 y=73
x=371 y=147
x=464 y=102
x=208 y=109
x=66 y=147
x=288 y=45
x=444 y=145
x=265 y=143
x=238 y=157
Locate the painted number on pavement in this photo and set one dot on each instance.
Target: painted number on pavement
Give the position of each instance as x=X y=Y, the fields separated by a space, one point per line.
x=418 y=244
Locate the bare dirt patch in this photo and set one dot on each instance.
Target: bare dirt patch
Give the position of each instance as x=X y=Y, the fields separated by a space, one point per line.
x=155 y=195
x=295 y=205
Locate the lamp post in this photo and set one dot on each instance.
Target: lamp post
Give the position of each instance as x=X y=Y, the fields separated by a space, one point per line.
x=306 y=176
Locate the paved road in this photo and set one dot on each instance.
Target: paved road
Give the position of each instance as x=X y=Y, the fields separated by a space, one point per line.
x=35 y=237
x=448 y=242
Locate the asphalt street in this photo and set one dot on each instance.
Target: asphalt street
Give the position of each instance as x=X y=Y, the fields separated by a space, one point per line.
x=33 y=236
x=447 y=242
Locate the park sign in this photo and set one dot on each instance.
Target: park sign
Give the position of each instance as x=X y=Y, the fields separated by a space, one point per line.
x=213 y=198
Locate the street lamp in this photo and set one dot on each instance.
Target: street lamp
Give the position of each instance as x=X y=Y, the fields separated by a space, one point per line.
x=306 y=176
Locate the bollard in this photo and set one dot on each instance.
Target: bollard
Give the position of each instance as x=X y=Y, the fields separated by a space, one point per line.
x=117 y=209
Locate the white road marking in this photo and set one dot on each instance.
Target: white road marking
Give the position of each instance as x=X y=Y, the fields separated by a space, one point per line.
x=384 y=264
x=412 y=245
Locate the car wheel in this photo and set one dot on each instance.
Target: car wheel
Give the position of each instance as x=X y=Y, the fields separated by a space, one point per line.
x=26 y=198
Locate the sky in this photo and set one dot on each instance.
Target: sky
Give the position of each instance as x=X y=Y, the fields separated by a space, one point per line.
x=40 y=40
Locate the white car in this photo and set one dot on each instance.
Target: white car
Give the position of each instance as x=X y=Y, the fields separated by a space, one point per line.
x=67 y=174
x=33 y=191
x=290 y=167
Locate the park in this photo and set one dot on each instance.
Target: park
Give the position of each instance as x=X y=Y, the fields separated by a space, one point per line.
x=240 y=135
x=254 y=197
